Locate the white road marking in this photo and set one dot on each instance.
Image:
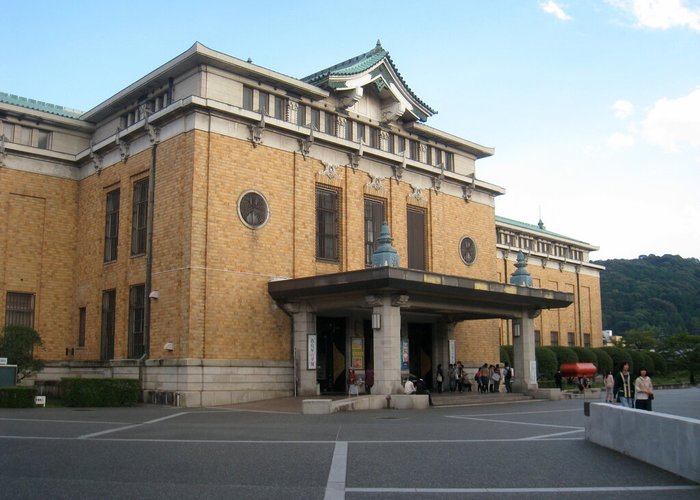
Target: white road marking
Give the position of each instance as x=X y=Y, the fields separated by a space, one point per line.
x=483 y=491
x=63 y=421
x=518 y=423
x=535 y=438
x=335 y=488
x=124 y=428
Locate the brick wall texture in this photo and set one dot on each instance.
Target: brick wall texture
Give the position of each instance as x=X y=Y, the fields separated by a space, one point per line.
x=210 y=269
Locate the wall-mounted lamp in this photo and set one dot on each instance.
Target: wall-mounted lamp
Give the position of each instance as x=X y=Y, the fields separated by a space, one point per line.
x=169 y=346
x=376 y=321
x=155 y=294
x=516 y=330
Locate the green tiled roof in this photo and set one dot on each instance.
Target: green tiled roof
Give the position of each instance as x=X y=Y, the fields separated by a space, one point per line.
x=357 y=65
x=536 y=229
x=39 y=105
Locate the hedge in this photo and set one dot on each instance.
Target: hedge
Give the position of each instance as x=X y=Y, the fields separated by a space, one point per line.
x=619 y=356
x=100 y=391
x=546 y=362
x=605 y=362
x=564 y=354
x=660 y=365
x=585 y=355
x=17 y=397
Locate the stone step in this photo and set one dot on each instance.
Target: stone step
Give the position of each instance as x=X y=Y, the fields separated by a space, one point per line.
x=473 y=398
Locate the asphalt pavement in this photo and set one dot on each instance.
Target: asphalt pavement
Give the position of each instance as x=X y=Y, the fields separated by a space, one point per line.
x=518 y=450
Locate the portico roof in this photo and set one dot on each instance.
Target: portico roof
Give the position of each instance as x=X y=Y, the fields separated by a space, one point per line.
x=455 y=297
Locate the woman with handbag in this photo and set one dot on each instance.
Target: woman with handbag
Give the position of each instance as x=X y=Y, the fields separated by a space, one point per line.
x=644 y=391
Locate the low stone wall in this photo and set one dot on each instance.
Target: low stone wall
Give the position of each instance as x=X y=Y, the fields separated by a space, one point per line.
x=320 y=406
x=186 y=382
x=666 y=441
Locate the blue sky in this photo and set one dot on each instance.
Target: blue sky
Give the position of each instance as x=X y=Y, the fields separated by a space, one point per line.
x=593 y=106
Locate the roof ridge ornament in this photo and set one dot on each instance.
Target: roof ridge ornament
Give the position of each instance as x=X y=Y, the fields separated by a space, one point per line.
x=385 y=254
x=521 y=277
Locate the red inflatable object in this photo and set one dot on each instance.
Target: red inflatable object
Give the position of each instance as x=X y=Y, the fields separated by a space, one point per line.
x=578 y=370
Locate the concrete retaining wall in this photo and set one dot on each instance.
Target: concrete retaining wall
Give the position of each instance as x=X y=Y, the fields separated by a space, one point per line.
x=374 y=402
x=666 y=441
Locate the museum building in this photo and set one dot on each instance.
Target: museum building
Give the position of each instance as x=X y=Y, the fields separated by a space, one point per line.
x=227 y=233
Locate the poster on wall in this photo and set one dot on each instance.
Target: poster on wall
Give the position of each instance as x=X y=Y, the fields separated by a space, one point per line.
x=311 y=351
x=404 y=354
x=357 y=348
x=533 y=372
x=453 y=356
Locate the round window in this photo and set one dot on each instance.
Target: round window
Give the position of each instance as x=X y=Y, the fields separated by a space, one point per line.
x=253 y=209
x=467 y=250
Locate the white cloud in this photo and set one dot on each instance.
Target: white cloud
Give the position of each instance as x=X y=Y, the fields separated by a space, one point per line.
x=623 y=108
x=551 y=7
x=620 y=141
x=661 y=14
x=674 y=124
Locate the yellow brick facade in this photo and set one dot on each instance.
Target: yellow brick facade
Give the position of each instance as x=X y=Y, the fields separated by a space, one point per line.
x=210 y=270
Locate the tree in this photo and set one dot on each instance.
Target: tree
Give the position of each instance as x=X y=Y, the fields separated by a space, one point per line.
x=642 y=339
x=17 y=345
x=683 y=351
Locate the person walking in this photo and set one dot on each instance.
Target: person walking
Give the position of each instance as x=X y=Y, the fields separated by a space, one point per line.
x=439 y=376
x=644 y=391
x=557 y=379
x=459 y=371
x=623 y=388
x=484 y=375
x=609 y=384
x=369 y=380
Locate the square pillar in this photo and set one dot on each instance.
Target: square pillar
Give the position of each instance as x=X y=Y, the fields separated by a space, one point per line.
x=304 y=324
x=387 y=343
x=525 y=363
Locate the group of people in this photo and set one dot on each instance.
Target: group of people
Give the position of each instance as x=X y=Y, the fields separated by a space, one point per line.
x=637 y=393
x=488 y=378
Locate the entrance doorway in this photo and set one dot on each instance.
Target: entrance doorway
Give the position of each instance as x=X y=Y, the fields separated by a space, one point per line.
x=331 y=356
x=420 y=351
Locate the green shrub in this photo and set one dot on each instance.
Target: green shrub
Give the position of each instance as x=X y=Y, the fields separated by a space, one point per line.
x=586 y=355
x=619 y=356
x=660 y=365
x=647 y=362
x=509 y=352
x=564 y=354
x=546 y=362
x=17 y=344
x=605 y=362
x=505 y=357
x=17 y=397
x=637 y=360
x=100 y=391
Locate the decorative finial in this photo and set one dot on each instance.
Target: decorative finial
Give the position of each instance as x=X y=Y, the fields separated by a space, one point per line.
x=540 y=224
x=521 y=277
x=385 y=254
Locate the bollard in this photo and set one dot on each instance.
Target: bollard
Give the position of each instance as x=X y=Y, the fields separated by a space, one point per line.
x=586 y=408
x=388 y=402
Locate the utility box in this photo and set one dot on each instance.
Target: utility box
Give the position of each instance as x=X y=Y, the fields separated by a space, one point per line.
x=8 y=375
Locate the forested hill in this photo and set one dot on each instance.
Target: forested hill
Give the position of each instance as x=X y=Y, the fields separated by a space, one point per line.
x=661 y=293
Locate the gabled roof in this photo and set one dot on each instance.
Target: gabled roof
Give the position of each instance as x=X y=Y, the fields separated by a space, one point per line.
x=46 y=107
x=334 y=76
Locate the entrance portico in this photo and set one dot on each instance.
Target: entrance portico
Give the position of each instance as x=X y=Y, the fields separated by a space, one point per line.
x=384 y=294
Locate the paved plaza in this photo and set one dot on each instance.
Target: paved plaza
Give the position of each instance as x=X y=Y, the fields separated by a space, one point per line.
x=531 y=449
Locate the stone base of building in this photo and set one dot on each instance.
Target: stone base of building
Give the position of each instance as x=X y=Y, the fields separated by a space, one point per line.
x=184 y=382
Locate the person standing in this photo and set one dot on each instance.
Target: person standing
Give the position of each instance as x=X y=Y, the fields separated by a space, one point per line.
x=609 y=384
x=451 y=377
x=557 y=379
x=644 y=391
x=623 y=388
x=459 y=370
x=353 y=389
x=439 y=376
x=369 y=380
x=508 y=377
x=496 y=378
x=484 y=375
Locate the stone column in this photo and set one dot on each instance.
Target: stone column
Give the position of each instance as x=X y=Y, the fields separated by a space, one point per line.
x=525 y=364
x=304 y=323
x=387 y=343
